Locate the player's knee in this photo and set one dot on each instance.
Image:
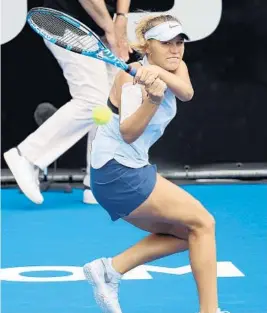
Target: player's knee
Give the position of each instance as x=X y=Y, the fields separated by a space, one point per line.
x=208 y=223
x=204 y=222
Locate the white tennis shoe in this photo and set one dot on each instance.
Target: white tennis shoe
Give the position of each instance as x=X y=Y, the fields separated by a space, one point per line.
x=26 y=175
x=88 y=197
x=105 y=282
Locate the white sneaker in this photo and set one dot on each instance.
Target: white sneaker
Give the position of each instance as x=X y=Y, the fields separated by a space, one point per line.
x=88 y=197
x=25 y=174
x=105 y=284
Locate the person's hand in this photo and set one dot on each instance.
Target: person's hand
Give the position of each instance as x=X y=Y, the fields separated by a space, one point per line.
x=111 y=41
x=155 y=91
x=146 y=73
x=154 y=86
x=148 y=76
x=120 y=26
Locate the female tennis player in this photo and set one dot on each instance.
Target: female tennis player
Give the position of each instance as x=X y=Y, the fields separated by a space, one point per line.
x=128 y=187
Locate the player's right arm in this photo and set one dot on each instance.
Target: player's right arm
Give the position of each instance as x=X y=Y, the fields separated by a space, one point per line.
x=139 y=103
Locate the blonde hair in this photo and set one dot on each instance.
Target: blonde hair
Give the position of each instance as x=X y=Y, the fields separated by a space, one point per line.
x=144 y=25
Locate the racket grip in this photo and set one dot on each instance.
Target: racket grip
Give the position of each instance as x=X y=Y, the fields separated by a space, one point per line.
x=131 y=70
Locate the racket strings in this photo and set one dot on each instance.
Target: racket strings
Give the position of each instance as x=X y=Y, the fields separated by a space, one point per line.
x=64 y=32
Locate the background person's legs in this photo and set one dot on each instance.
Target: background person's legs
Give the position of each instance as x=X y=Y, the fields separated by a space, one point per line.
x=88 y=83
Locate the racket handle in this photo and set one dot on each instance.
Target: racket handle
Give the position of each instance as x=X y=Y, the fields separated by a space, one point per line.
x=131 y=70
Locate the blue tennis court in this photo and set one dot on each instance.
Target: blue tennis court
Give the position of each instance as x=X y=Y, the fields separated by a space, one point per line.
x=44 y=248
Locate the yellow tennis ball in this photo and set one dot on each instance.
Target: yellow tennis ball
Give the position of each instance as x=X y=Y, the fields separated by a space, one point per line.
x=101 y=115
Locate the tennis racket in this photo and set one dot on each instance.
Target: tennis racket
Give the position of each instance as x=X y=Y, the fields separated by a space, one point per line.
x=65 y=31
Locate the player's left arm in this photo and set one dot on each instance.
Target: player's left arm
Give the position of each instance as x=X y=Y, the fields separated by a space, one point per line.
x=179 y=82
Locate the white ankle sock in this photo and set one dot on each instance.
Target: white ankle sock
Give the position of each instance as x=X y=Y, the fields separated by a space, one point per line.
x=112 y=269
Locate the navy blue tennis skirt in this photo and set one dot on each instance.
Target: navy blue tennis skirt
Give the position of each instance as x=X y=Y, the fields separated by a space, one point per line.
x=120 y=189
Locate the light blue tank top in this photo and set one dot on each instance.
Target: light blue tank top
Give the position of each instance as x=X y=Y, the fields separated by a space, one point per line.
x=109 y=144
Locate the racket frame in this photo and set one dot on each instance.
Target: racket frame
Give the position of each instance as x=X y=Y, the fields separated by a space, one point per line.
x=103 y=53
